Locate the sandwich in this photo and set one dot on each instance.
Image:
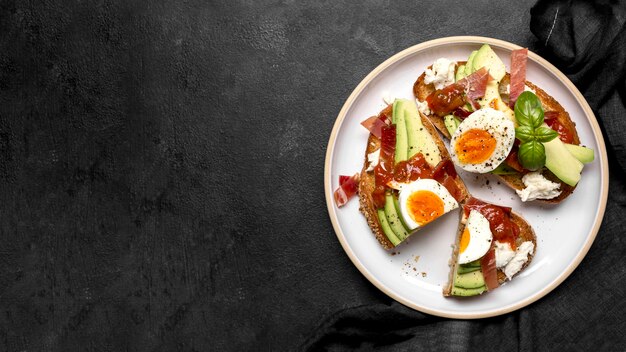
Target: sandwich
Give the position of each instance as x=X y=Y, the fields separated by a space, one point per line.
x=408 y=179
x=493 y=245
x=499 y=123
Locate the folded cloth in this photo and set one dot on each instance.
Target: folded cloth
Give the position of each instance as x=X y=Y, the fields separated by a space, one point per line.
x=587 y=41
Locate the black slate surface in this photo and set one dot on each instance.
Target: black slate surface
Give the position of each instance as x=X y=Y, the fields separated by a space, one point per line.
x=161 y=176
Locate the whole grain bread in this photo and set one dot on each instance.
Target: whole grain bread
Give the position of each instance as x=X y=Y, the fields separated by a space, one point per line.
x=526 y=234
x=367 y=180
x=421 y=90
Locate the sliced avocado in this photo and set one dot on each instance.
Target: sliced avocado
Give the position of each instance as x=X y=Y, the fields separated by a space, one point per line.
x=486 y=57
x=393 y=219
x=401 y=133
x=473 y=279
x=420 y=140
x=493 y=100
x=460 y=73
x=397 y=205
x=469 y=63
x=466 y=269
x=452 y=123
x=562 y=163
x=583 y=154
x=474 y=264
x=504 y=169
x=386 y=228
x=466 y=292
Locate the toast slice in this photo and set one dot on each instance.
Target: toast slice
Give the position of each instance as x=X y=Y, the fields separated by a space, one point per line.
x=526 y=234
x=367 y=180
x=421 y=90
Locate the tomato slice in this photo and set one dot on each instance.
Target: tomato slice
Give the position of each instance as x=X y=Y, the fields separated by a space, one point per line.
x=445 y=167
x=444 y=100
x=502 y=228
x=412 y=169
x=565 y=135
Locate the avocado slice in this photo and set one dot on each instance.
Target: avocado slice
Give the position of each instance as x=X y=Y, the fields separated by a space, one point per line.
x=561 y=162
x=473 y=279
x=460 y=73
x=452 y=123
x=401 y=132
x=466 y=269
x=393 y=219
x=386 y=228
x=396 y=203
x=420 y=140
x=504 y=169
x=469 y=64
x=583 y=154
x=486 y=57
x=475 y=264
x=466 y=292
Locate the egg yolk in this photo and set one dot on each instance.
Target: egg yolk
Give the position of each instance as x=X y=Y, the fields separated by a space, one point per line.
x=465 y=239
x=424 y=206
x=475 y=146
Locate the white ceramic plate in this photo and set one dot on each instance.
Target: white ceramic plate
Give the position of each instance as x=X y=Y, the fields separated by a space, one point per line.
x=414 y=272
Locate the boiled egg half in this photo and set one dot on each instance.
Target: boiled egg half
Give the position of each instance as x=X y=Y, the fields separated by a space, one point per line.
x=482 y=141
x=423 y=201
x=475 y=239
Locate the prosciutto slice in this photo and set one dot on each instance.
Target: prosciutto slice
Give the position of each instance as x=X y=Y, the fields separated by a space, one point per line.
x=475 y=84
x=347 y=189
x=490 y=272
x=375 y=124
x=518 y=74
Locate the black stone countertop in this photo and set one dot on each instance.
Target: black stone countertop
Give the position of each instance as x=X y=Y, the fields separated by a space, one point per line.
x=161 y=165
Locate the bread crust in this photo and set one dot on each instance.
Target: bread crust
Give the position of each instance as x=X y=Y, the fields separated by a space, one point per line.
x=367 y=181
x=514 y=181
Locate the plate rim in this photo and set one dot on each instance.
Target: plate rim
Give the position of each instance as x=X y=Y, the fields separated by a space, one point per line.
x=460 y=40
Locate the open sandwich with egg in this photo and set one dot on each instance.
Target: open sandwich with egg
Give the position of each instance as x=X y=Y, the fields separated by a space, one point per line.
x=500 y=123
x=408 y=179
x=493 y=245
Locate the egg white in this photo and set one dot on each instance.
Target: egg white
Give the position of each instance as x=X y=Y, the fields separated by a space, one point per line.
x=449 y=203
x=480 y=238
x=498 y=125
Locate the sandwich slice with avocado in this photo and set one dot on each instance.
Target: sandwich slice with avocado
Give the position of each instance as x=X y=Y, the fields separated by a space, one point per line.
x=503 y=124
x=408 y=179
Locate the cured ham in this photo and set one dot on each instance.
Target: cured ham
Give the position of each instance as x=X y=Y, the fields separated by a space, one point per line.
x=384 y=170
x=348 y=186
x=489 y=269
x=518 y=74
x=375 y=124
x=475 y=84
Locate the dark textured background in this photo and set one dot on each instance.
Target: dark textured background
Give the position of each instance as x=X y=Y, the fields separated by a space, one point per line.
x=161 y=173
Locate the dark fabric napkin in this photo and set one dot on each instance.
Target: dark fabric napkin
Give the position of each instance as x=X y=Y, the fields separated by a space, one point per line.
x=587 y=41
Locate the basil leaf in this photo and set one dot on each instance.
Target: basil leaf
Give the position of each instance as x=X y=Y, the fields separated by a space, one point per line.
x=532 y=155
x=528 y=110
x=545 y=134
x=524 y=133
